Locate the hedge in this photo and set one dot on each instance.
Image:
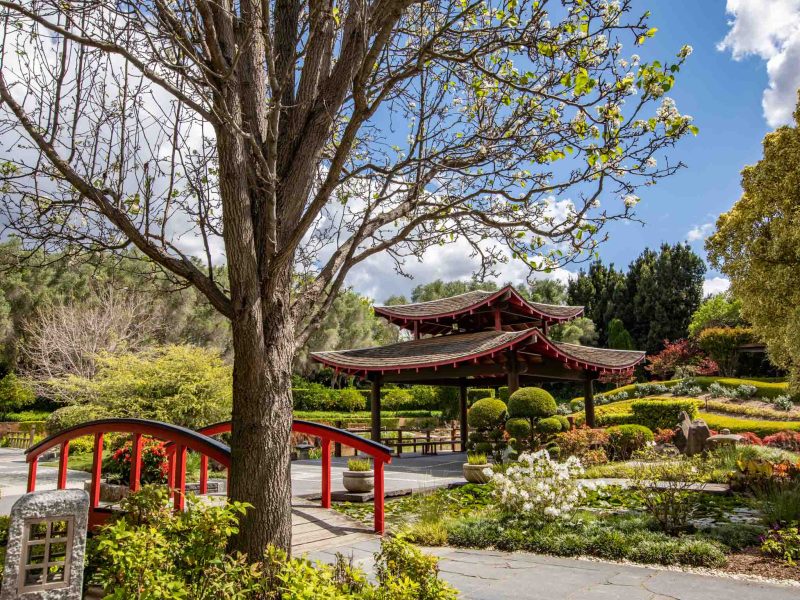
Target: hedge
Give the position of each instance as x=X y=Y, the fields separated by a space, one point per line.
x=661 y=413
x=622 y=413
x=760 y=428
x=747 y=411
x=475 y=394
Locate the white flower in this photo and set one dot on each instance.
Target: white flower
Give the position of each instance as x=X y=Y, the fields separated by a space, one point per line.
x=631 y=200
x=686 y=51
x=651 y=162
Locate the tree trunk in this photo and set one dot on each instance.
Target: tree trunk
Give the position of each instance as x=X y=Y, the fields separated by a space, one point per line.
x=260 y=442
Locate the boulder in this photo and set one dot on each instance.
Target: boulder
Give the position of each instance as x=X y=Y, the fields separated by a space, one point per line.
x=690 y=436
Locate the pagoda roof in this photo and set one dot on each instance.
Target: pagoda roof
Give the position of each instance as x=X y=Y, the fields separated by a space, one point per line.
x=470 y=302
x=459 y=348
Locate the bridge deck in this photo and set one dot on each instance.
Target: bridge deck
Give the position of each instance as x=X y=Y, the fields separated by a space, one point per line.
x=315 y=528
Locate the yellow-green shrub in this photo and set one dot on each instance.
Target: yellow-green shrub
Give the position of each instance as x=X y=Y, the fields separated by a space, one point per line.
x=760 y=428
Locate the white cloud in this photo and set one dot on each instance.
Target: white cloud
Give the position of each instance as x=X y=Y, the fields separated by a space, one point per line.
x=769 y=29
x=699 y=232
x=715 y=285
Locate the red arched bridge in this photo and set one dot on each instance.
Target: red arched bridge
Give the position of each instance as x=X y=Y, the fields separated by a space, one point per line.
x=180 y=440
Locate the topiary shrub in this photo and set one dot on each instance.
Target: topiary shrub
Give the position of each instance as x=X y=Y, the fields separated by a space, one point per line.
x=519 y=428
x=503 y=394
x=69 y=416
x=624 y=440
x=487 y=414
x=531 y=403
x=548 y=426
x=565 y=426
x=661 y=413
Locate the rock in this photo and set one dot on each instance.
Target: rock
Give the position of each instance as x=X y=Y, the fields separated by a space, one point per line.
x=691 y=436
x=49 y=524
x=723 y=440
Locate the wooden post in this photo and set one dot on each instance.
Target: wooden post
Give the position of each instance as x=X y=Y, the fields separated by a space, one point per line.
x=63 y=459
x=588 y=399
x=337 y=446
x=376 y=409
x=513 y=373
x=136 y=462
x=326 y=473
x=462 y=412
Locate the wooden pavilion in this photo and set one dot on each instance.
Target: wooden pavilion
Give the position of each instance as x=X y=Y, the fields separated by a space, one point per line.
x=479 y=339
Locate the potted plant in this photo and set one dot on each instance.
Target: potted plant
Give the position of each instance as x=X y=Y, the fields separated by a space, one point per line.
x=359 y=477
x=475 y=466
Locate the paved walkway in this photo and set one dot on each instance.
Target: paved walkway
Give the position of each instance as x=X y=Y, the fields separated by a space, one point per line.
x=489 y=575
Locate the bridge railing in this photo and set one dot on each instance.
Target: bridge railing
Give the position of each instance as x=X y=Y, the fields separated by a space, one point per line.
x=381 y=456
x=183 y=439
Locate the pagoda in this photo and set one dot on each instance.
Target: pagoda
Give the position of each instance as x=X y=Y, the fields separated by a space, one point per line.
x=479 y=339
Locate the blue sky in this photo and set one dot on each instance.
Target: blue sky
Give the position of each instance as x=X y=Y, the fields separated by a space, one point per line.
x=723 y=88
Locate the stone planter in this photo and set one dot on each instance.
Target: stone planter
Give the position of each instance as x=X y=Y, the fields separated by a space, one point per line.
x=109 y=492
x=475 y=474
x=358 y=482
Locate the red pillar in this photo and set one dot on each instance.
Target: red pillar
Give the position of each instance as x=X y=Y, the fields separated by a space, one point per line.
x=180 y=477
x=63 y=458
x=171 y=471
x=379 y=492
x=97 y=467
x=136 y=462
x=326 y=473
x=32 y=474
x=203 y=474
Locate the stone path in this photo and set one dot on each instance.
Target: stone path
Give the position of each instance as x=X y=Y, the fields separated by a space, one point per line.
x=489 y=575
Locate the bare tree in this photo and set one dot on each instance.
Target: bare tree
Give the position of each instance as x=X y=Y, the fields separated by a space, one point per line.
x=310 y=136
x=65 y=338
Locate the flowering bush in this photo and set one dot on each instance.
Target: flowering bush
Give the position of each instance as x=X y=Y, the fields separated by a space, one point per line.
x=539 y=488
x=155 y=465
x=581 y=440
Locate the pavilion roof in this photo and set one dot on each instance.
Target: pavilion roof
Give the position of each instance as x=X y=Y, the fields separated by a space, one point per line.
x=455 y=349
x=470 y=302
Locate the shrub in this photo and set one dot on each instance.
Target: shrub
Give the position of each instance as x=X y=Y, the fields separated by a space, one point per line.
x=503 y=394
x=313 y=397
x=579 y=441
x=531 y=403
x=760 y=428
x=539 y=488
x=487 y=413
x=350 y=400
x=683 y=355
x=564 y=422
x=519 y=428
x=576 y=404
x=425 y=533
x=783 y=542
x=548 y=426
x=786 y=440
x=28 y=416
x=424 y=397
x=397 y=399
x=624 y=440
x=661 y=413
x=783 y=403
x=664 y=436
x=751 y=438
x=780 y=505
x=69 y=416
x=14 y=394
x=475 y=394
x=155 y=464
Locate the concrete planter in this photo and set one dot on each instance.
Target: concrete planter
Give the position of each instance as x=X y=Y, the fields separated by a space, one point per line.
x=475 y=474
x=359 y=482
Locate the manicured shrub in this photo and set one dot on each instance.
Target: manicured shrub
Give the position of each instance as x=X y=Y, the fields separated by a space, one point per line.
x=503 y=394
x=564 y=422
x=760 y=428
x=548 y=426
x=487 y=413
x=661 y=413
x=624 y=440
x=350 y=400
x=69 y=416
x=314 y=397
x=518 y=428
x=531 y=403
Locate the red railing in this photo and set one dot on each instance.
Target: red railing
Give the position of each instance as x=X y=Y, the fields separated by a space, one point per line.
x=381 y=455
x=179 y=441
x=183 y=439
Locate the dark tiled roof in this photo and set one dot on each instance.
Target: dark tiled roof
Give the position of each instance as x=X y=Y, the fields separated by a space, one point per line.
x=471 y=300
x=442 y=306
x=443 y=349
x=605 y=357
